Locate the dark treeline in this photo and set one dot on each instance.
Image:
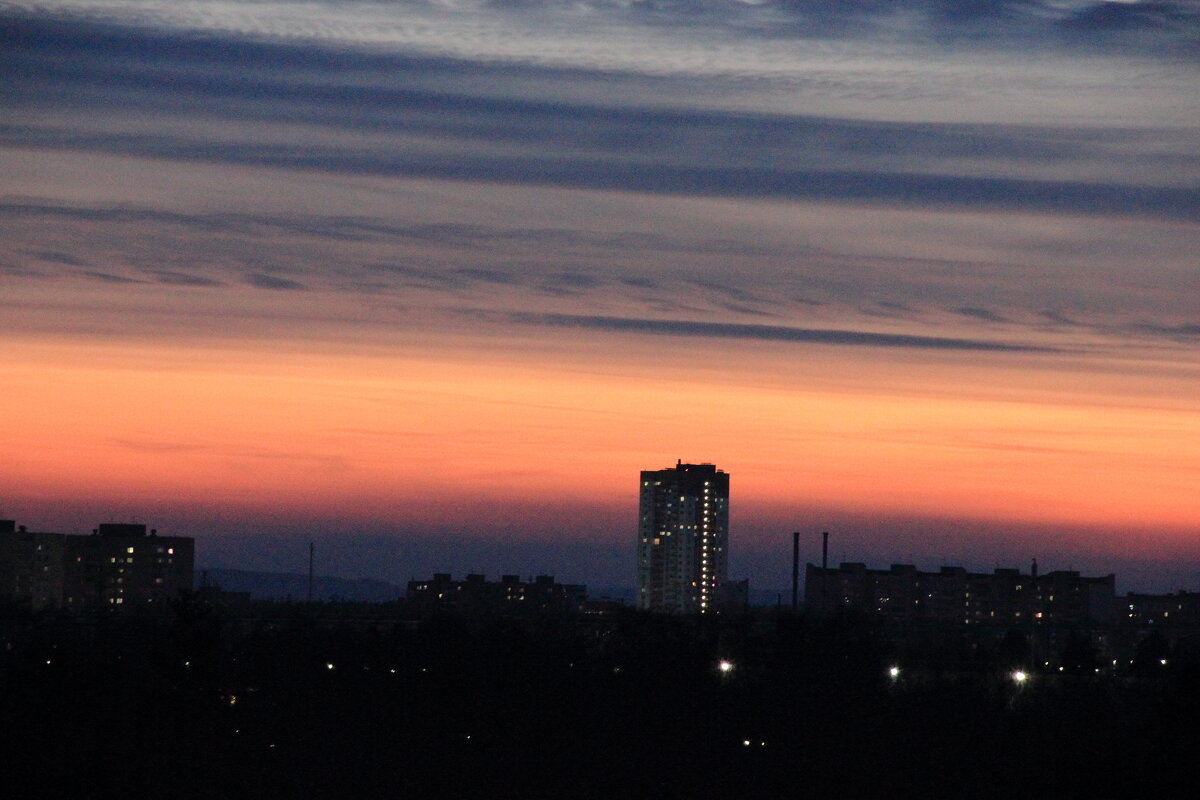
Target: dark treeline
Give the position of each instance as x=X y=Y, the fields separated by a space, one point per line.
x=329 y=702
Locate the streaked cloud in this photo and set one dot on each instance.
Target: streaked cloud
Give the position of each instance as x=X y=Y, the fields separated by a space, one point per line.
x=263 y=281
x=812 y=268
x=770 y=333
x=933 y=258
x=326 y=106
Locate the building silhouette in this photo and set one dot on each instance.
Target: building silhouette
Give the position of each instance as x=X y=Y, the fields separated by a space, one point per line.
x=1004 y=597
x=119 y=565
x=510 y=594
x=1175 y=610
x=683 y=538
x=32 y=565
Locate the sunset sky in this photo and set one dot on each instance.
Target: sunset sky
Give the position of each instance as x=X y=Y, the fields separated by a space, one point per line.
x=430 y=282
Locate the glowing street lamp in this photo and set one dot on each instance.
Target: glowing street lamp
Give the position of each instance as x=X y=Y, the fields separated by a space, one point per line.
x=724 y=666
x=893 y=672
x=1020 y=676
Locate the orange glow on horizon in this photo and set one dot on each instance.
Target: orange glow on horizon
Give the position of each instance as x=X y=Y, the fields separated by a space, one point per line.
x=420 y=437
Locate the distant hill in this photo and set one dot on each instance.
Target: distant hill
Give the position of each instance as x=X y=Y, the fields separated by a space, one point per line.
x=622 y=593
x=294 y=586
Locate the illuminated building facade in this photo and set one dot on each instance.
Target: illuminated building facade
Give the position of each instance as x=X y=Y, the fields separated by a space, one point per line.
x=1005 y=597
x=683 y=538
x=510 y=594
x=117 y=566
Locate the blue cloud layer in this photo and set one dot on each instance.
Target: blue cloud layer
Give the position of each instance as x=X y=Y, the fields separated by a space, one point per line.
x=240 y=101
x=183 y=84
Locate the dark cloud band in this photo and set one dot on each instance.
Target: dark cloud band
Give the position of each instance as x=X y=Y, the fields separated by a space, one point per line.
x=768 y=333
x=255 y=93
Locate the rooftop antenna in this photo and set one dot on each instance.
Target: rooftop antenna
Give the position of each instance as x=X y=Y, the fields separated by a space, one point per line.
x=311 y=553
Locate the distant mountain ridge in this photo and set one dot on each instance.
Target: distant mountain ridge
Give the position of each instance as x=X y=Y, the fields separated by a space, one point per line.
x=294 y=586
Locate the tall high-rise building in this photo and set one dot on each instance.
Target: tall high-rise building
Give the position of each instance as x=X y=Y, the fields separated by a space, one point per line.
x=683 y=538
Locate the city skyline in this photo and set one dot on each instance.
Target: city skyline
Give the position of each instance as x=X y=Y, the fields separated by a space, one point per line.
x=426 y=282
x=376 y=574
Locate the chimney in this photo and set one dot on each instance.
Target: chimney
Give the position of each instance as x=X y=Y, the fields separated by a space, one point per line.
x=795 y=567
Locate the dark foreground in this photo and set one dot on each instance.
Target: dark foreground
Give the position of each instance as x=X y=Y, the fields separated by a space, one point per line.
x=295 y=702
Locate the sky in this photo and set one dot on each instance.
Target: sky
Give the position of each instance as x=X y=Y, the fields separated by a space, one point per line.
x=429 y=283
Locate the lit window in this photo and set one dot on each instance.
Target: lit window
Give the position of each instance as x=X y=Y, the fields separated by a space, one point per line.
x=128 y=549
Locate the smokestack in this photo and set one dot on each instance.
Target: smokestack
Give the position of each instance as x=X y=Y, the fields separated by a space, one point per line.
x=795 y=568
x=824 y=571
